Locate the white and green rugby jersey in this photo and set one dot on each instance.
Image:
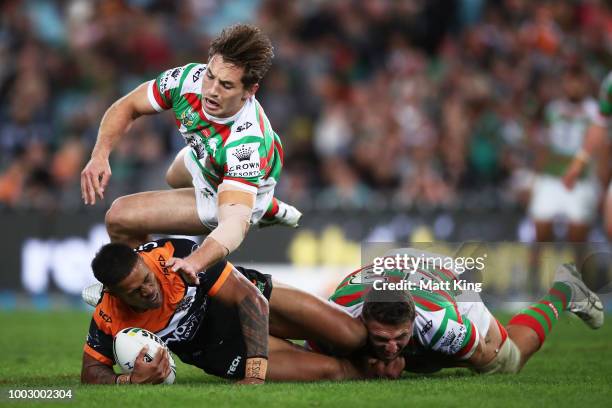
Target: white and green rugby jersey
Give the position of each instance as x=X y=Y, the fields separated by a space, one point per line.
x=567 y=125
x=242 y=150
x=440 y=324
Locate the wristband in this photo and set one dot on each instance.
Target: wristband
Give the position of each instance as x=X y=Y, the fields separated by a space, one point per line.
x=256 y=367
x=583 y=156
x=123 y=379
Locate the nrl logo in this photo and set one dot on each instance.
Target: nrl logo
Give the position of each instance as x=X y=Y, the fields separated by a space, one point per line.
x=243 y=153
x=188 y=117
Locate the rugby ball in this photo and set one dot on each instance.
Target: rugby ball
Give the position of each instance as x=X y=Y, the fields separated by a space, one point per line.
x=128 y=343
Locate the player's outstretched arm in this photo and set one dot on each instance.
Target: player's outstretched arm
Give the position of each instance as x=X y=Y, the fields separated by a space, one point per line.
x=253 y=311
x=594 y=141
x=290 y=362
x=234 y=214
x=115 y=123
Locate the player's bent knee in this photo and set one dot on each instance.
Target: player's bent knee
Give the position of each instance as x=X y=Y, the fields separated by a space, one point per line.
x=171 y=178
x=117 y=217
x=507 y=360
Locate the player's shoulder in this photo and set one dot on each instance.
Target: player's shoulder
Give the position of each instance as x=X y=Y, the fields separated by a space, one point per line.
x=186 y=78
x=108 y=314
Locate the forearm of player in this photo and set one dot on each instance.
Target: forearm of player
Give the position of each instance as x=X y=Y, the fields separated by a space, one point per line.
x=207 y=254
x=594 y=142
x=94 y=372
x=234 y=215
x=253 y=312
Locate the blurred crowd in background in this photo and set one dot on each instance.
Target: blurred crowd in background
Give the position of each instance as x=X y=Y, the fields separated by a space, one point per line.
x=379 y=103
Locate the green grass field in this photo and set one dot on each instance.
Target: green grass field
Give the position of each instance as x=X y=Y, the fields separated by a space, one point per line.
x=43 y=350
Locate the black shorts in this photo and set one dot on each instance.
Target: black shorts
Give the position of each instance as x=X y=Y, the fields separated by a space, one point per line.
x=218 y=347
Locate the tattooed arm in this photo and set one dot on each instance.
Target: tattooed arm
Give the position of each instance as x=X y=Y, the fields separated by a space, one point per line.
x=94 y=372
x=253 y=311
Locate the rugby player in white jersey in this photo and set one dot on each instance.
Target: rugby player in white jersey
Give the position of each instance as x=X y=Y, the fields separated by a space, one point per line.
x=596 y=143
x=224 y=179
x=568 y=119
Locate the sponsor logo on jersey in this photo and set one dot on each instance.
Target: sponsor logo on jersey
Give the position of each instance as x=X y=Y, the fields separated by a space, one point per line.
x=243 y=161
x=452 y=339
x=185 y=331
x=170 y=79
x=162 y=264
x=196 y=144
x=105 y=316
x=196 y=75
x=234 y=366
x=188 y=117
x=184 y=304
x=163 y=83
x=243 y=153
x=244 y=126
x=426 y=328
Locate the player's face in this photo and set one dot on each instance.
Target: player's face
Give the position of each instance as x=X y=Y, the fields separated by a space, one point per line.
x=575 y=87
x=222 y=89
x=139 y=289
x=387 y=341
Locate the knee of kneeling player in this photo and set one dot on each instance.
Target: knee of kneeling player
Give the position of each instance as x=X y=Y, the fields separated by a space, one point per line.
x=174 y=180
x=117 y=218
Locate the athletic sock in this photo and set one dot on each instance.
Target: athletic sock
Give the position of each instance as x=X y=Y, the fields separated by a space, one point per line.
x=541 y=316
x=272 y=209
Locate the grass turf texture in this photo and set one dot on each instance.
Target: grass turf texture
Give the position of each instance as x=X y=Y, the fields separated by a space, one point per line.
x=44 y=349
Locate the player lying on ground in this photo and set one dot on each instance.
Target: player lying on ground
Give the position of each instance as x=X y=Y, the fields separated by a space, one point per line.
x=454 y=329
x=220 y=326
x=224 y=179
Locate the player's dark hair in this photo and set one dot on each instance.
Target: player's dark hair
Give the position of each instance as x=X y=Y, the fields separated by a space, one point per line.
x=388 y=307
x=113 y=263
x=245 y=46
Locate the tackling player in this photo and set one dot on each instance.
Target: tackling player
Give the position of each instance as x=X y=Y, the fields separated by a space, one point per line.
x=596 y=142
x=224 y=179
x=452 y=328
x=220 y=326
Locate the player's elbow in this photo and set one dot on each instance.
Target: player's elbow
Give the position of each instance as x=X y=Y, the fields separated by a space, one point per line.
x=259 y=301
x=87 y=376
x=124 y=107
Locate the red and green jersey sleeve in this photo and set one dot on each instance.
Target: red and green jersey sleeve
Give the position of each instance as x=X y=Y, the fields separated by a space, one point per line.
x=164 y=89
x=440 y=327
